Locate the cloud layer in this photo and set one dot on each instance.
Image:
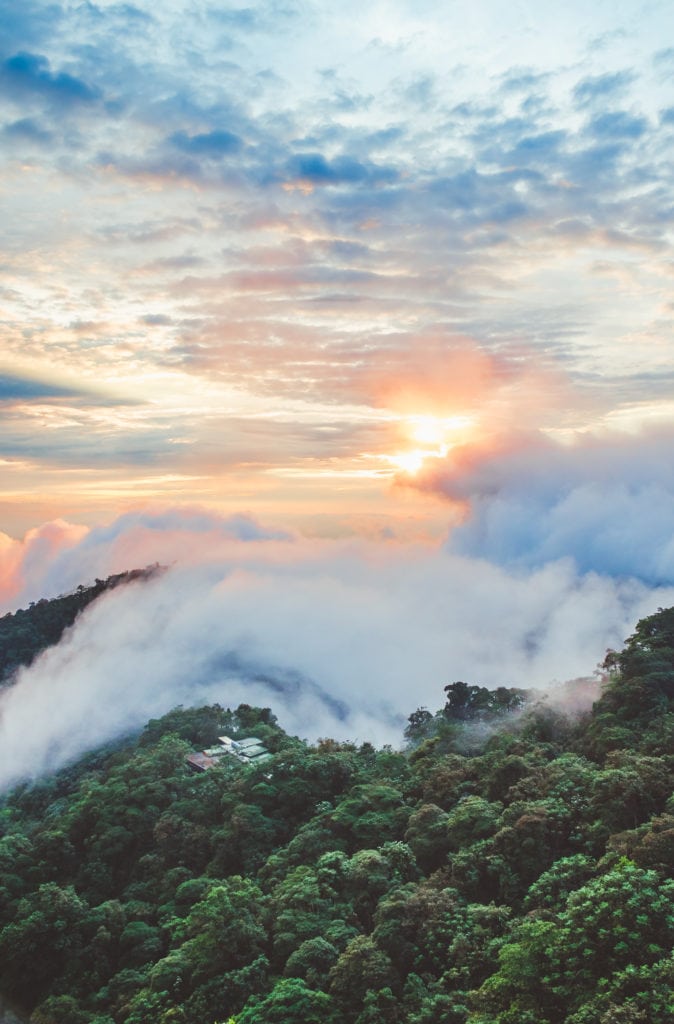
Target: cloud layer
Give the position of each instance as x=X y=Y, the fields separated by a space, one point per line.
x=340 y=638
x=606 y=503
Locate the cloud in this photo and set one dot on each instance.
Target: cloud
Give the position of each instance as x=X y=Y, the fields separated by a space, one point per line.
x=30 y=74
x=316 y=169
x=79 y=419
x=522 y=79
x=23 y=564
x=156 y=320
x=542 y=147
x=127 y=14
x=215 y=144
x=618 y=124
x=664 y=60
x=58 y=556
x=266 y=16
x=340 y=638
x=27 y=130
x=84 y=431
x=454 y=201
x=28 y=23
x=599 y=87
x=606 y=503
x=433 y=373
x=13 y=388
x=409 y=372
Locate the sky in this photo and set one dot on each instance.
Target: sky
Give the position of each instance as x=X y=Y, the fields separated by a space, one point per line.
x=391 y=274
x=288 y=257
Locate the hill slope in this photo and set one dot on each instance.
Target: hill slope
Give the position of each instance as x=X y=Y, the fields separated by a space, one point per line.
x=518 y=872
x=28 y=631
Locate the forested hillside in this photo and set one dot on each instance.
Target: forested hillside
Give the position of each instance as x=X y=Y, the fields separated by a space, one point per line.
x=511 y=866
x=26 y=632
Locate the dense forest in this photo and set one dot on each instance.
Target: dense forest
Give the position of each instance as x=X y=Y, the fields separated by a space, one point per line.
x=511 y=865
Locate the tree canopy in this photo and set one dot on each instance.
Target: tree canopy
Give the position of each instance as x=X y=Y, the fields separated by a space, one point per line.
x=509 y=866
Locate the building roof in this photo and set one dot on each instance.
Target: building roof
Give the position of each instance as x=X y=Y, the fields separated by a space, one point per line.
x=200 y=762
x=249 y=751
x=253 y=751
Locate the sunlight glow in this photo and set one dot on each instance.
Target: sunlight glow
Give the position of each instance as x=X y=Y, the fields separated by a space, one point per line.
x=438 y=433
x=409 y=462
x=434 y=429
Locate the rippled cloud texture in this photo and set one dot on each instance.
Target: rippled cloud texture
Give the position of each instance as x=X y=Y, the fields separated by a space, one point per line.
x=243 y=243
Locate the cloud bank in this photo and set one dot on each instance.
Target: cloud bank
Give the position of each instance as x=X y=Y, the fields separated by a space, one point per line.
x=606 y=502
x=340 y=638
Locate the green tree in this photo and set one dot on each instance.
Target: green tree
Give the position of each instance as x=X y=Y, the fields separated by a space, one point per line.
x=289 y=1002
x=622 y=918
x=428 y=836
x=360 y=969
x=371 y=813
x=312 y=961
x=60 y=1010
x=45 y=943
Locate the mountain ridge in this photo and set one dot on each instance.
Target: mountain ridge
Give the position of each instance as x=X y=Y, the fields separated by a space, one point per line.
x=520 y=872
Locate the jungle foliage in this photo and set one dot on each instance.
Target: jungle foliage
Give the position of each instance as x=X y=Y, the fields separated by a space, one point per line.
x=511 y=866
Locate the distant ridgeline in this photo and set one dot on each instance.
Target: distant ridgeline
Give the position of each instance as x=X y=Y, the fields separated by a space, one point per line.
x=27 y=632
x=512 y=865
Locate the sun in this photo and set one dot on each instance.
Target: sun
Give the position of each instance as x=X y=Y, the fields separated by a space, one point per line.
x=435 y=430
x=408 y=462
x=437 y=434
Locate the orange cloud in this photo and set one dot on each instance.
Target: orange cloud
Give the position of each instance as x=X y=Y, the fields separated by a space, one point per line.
x=436 y=376
x=21 y=560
